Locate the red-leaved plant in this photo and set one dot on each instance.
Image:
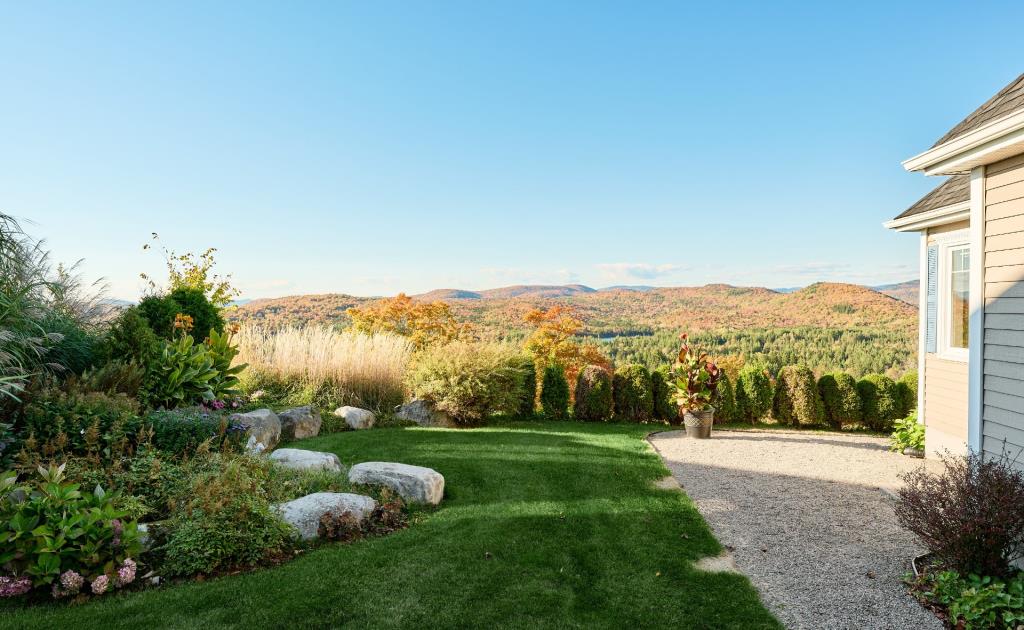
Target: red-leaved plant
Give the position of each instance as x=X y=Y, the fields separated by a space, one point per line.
x=694 y=378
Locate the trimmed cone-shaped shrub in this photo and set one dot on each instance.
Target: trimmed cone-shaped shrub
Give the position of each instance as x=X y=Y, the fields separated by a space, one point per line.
x=593 y=394
x=840 y=400
x=554 y=393
x=796 y=399
x=878 y=404
x=634 y=399
x=528 y=393
x=906 y=391
x=725 y=401
x=753 y=393
x=664 y=407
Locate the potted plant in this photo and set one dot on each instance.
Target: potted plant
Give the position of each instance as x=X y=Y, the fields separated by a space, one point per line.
x=694 y=380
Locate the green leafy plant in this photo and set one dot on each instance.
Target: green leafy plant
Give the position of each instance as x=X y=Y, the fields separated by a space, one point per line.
x=469 y=381
x=55 y=530
x=796 y=399
x=753 y=393
x=179 y=432
x=724 y=401
x=593 y=394
x=695 y=378
x=554 y=393
x=840 y=400
x=973 y=602
x=632 y=392
x=907 y=433
x=906 y=393
x=664 y=407
x=878 y=401
x=97 y=426
x=223 y=354
x=181 y=374
x=160 y=312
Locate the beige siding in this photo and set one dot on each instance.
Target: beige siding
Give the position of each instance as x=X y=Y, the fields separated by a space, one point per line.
x=1003 y=415
x=945 y=405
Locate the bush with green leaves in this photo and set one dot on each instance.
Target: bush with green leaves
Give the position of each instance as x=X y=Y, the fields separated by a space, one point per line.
x=631 y=388
x=528 y=391
x=181 y=374
x=94 y=425
x=130 y=339
x=907 y=433
x=160 y=312
x=840 y=400
x=664 y=405
x=593 y=395
x=753 y=393
x=225 y=522
x=906 y=393
x=974 y=602
x=725 y=401
x=879 y=405
x=470 y=381
x=796 y=400
x=554 y=393
x=181 y=431
x=224 y=384
x=60 y=538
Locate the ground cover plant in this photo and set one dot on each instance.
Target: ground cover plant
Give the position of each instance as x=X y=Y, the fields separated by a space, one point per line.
x=547 y=524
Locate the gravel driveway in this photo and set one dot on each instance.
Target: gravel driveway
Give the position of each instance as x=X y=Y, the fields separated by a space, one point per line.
x=806 y=521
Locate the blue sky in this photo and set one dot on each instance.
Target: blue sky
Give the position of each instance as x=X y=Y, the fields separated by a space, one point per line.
x=371 y=148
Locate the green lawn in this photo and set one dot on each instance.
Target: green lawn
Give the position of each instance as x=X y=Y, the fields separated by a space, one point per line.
x=543 y=525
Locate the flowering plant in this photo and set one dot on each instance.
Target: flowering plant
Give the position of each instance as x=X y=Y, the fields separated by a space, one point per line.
x=60 y=537
x=694 y=378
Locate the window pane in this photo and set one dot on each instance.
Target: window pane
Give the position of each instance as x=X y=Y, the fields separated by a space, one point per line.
x=960 y=283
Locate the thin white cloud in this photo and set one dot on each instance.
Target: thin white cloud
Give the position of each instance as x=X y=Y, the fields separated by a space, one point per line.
x=637 y=271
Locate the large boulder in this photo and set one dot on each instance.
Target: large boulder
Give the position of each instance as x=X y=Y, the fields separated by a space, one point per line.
x=422 y=412
x=299 y=459
x=300 y=422
x=355 y=417
x=304 y=514
x=262 y=427
x=415 y=484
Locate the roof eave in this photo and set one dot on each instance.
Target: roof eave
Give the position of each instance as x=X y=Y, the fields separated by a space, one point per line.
x=992 y=142
x=924 y=220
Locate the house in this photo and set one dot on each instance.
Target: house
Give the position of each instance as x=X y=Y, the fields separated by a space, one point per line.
x=971 y=342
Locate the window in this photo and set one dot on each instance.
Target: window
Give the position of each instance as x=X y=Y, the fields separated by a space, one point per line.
x=959 y=296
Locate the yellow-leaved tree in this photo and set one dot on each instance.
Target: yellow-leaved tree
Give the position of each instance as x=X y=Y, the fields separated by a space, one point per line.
x=424 y=323
x=554 y=340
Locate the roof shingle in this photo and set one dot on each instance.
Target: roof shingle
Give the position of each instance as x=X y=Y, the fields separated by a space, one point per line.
x=956 y=189
x=1009 y=100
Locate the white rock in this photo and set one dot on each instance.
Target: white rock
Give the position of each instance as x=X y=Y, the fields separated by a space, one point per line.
x=413 y=483
x=263 y=428
x=304 y=514
x=305 y=460
x=422 y=412
x=298 y=423
x=355 y=417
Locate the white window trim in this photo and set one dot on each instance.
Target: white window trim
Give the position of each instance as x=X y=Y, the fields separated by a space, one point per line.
x=947 y=243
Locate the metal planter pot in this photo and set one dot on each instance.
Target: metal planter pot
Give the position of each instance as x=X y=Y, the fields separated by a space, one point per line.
x=698 y=423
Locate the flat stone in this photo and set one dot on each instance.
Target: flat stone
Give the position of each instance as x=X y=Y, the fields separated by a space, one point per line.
x=299 y=422
x=415 y=484
x=298 y=459
x=422 y=412
x=355 y=417
x=723 y=563
x=263 y=428
x=304 y=514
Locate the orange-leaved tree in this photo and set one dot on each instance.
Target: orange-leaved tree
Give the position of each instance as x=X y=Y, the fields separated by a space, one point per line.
x=425 y=323
x=554 y=340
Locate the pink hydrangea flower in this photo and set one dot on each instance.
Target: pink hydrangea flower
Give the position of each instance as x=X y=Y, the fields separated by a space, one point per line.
x=100 y=585
x=71 y=581
x=126 y=574
x=14 y=586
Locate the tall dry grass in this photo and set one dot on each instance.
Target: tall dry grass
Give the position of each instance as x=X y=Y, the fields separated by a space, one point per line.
x=319 y=366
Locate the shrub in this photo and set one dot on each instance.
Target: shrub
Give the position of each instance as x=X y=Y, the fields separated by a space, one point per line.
x=227 y=521
x=469 y=381
x=664 y=407
x=907 y=433
x=59 y=537
x=725 y=401
x=324 y=368
x=94 y=425
x=152 y=484
x=753 y=393
x=160 y=311
x=631 y=388
x=796 y=399
x=969 y=515
x=77 y=350
x=181 y=374
x=114 y=377
x=840 y=400
x=130 y=339
x=182 y=431
x=878 y=404
x=906 y=394
x=593 y=394
x=528 y=391
x=554 y=393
